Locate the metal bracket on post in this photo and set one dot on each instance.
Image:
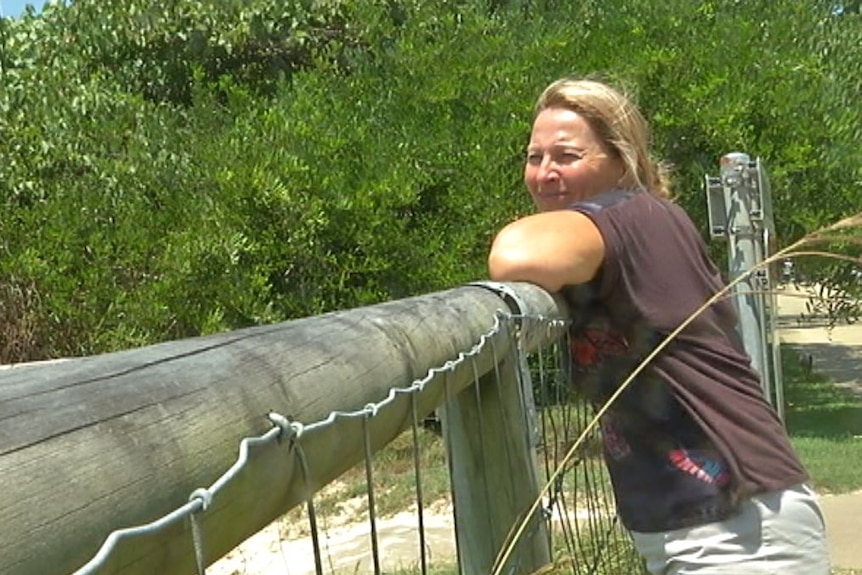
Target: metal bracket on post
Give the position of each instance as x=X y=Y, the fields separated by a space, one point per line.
x=508 y=295
x=516 y=307
x=716 y=207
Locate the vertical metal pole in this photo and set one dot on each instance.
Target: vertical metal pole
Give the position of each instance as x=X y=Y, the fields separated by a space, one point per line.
x=741 y=199
x=772 y=340
x=740 y=209
x=744 y=227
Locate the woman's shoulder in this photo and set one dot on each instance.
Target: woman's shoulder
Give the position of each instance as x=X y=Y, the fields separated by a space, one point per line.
x=612 y=198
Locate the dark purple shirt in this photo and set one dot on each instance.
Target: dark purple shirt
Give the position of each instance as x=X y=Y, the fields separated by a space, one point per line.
x=693 y=434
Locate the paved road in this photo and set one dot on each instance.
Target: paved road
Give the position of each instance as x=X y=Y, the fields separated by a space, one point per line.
x=836 y=353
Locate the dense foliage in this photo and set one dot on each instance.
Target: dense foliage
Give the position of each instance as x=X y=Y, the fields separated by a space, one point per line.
x=175 y=168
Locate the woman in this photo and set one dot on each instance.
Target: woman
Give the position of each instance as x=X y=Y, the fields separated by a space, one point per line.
x=704 y=475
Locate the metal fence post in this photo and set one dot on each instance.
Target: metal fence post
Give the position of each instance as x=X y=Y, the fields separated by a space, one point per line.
x=740 y=210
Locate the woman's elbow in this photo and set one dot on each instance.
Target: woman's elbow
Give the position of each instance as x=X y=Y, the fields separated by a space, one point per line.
x=501 y=267
x=505 y=259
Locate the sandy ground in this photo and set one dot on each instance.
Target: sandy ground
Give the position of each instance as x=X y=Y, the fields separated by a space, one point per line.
x=344 y=549
x=347 y=548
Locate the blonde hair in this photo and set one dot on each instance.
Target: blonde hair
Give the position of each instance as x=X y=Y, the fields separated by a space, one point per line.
x=617 y=122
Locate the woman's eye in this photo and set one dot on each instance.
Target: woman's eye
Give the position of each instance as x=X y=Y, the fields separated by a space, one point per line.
x=569 y=157
x=556 y=156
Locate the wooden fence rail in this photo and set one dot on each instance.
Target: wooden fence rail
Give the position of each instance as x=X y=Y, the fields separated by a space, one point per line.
x=96 y=444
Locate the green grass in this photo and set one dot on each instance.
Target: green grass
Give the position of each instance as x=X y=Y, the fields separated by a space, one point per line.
x=825 y=424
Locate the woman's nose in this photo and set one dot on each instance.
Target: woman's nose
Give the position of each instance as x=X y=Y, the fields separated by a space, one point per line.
x=548 y=169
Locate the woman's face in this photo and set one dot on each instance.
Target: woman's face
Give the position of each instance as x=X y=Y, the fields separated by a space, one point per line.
x=566 y=161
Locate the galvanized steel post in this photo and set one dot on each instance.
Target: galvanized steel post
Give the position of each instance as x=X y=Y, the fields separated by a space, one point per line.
x=740 y=210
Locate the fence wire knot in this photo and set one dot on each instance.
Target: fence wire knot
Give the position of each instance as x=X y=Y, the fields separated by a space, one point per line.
x=290 y=429
x=205 y=496
x=371 y=409
x=554 y=326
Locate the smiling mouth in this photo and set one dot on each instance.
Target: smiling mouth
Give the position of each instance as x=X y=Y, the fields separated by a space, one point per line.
x=553 y=195
x=553 y=201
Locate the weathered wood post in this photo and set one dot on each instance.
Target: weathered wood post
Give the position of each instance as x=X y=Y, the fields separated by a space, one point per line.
x=96 y=444
x=495 y=479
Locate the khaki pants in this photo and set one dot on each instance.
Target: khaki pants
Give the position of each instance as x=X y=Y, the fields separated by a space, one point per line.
x=776 y=533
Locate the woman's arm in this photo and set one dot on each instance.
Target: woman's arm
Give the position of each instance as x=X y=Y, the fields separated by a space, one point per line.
x=549 y=249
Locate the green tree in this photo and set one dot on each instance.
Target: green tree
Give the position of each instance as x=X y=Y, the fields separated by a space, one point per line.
x=205 y=165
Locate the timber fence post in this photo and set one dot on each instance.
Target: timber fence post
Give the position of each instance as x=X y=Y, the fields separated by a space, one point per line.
x=490 y=432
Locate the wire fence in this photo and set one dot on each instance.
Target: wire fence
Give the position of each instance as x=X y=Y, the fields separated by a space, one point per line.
x=577 y=508
x=590 y=539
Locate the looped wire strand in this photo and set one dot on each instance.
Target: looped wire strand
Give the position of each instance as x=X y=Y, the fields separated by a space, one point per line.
x=291 y=431
x=417 y=474
x=370 y=411
x=205 y=497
